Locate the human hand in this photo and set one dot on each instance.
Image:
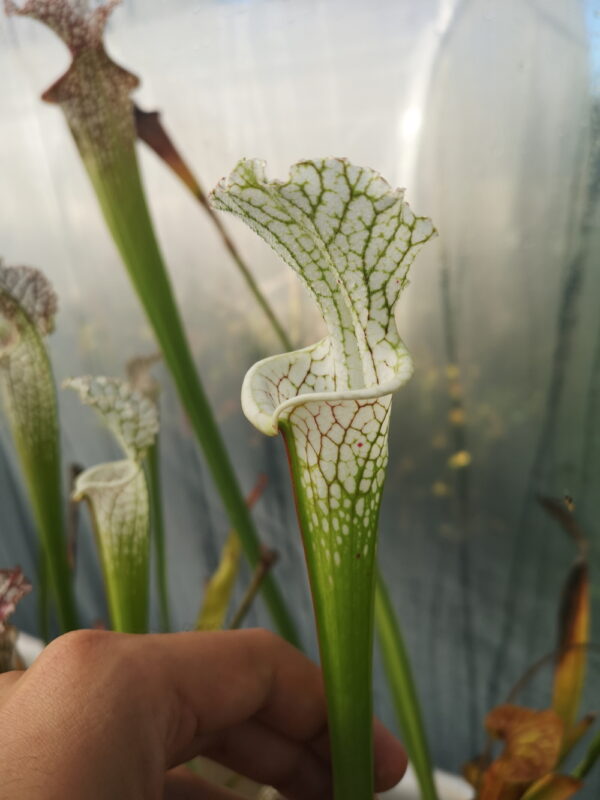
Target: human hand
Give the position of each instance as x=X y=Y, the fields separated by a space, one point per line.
x=105 y=716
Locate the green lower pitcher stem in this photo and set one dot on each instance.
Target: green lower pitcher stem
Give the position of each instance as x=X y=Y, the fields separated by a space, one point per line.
x=158 y=535
x=42 y=474
x=343 y=596
x=347 y=669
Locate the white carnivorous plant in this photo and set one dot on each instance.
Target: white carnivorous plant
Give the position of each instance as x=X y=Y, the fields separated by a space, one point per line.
x=117 y=494
x=28 y=307
x=351 y=239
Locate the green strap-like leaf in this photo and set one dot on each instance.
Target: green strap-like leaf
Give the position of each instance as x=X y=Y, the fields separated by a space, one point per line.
x=27 y=308
x=142 y=380
x=118 y=498
x=404 y=691
x=351 y=239
x=150 y=130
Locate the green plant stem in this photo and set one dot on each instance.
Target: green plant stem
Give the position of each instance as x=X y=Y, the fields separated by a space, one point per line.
x=127 y=599
x=397 y=666
x=121 y=196
x=151 y=131
x=268 y=559
x=158 y=534
x=37 y=444
x=45 y=488
x=346 y=633
x=589 y=760
x=344 y=615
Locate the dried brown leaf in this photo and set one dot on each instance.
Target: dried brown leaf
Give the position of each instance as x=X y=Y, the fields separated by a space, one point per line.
x=533 y=741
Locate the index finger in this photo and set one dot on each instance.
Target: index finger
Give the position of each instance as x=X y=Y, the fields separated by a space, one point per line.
x=7 y=683
x=227 y=677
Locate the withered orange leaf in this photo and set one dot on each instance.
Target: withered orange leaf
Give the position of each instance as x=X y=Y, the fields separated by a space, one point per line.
x=494 y=787
x=533 y=741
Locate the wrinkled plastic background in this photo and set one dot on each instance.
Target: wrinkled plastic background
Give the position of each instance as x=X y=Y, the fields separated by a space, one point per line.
x=484 y=110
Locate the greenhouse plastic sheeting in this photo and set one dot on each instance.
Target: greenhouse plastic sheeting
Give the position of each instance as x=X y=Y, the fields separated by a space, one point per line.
x=488 y=113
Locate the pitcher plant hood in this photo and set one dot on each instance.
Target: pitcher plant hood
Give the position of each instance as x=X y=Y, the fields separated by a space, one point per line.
x=94 y=93
x=117 y=494
x=351 y=239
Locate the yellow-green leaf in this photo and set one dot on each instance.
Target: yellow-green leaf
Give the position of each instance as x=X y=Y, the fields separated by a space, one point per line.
x=219 y=588
x=574 y=628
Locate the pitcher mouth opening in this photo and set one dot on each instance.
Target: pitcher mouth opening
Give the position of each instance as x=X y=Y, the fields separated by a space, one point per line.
x=269 y=423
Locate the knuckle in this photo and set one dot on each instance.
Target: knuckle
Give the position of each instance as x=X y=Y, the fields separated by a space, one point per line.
x=75 y=647
x=74 y=654
x=112 y=659
x=265 y=638
x=267 y=648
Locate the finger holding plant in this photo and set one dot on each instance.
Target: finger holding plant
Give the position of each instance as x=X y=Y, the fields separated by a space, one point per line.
x=351 y=239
